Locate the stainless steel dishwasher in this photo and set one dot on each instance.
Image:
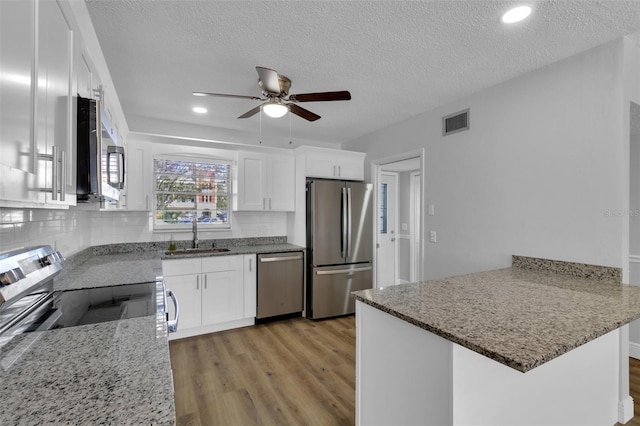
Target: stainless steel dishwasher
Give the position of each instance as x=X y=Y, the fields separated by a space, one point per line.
x=280 y=284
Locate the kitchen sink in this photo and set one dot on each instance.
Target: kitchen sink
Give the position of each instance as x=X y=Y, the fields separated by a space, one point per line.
x=196 y=251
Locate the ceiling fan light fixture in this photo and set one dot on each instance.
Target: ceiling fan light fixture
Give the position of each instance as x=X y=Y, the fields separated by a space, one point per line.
x=275 y=110
x=516 y=14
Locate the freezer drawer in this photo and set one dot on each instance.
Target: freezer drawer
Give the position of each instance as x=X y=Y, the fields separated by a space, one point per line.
x=331 y=287
x=280 y=284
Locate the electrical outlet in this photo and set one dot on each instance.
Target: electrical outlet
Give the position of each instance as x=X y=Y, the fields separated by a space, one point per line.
x=433 y=236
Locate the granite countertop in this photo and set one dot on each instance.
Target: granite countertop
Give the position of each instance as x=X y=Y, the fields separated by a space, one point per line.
x=236 y=250
x=111 y=269
x=116 y=372
x=522 y=316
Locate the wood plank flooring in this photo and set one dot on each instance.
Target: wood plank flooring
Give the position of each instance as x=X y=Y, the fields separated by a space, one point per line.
x=290 y=372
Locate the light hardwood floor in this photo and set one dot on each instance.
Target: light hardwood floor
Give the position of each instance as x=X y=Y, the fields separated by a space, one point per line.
x=290 y=372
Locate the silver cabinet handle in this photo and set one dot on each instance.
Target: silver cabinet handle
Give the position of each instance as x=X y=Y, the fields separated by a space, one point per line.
x=250 y=261
x=280 y=258
x=172 y=325
x=334 y=170
x=205 y=281
x=339 y=171
x=343 y=271
x=53 y=157
x=63 y=174
x=197 y=282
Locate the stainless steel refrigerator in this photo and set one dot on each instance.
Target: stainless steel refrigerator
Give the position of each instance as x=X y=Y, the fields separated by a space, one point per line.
x=339 y=245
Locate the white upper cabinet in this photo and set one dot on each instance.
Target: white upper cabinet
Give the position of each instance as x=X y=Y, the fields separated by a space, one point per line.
x=333 y=163
x=55 y=117
x=18 y=155
x=265 y=182
x=37 y=87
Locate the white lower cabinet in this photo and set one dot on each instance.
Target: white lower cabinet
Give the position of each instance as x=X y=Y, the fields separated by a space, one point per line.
x=214 y=293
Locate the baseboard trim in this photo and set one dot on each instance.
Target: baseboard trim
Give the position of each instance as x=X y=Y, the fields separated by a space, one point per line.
x=625 y=410
x=211 y=328
x=634 y=350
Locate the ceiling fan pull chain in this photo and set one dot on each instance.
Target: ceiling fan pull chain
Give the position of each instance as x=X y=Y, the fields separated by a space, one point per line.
x=260 y=138
x=289 y=128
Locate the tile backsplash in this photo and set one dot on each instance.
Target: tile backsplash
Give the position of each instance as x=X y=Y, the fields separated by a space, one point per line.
x=71 y=231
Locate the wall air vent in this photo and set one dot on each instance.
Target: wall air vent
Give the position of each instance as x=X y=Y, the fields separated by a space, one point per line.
x=455 y=122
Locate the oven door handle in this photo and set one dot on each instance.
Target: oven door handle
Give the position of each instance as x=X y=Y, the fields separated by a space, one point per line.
x=172 y=325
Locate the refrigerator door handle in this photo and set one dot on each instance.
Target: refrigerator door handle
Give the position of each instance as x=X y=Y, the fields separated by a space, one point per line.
x=343 y=271
x=344 y=223
x=349 y=217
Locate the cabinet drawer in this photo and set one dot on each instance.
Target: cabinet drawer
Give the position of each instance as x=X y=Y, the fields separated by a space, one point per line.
x=180 y=267
x=221 y=263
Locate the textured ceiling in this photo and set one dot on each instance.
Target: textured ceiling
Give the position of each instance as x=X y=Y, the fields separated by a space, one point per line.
x=398 y=58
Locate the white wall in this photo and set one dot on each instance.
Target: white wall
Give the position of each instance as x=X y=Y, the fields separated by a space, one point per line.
x=538 y=174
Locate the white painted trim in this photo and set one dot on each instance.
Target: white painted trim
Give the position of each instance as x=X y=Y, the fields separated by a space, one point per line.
x=376 y=165
x=625 y=410
x=415 y=179
x=634 y=350
x=211 y=328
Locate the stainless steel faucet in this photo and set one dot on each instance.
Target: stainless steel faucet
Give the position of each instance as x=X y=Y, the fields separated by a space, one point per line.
x=195 y=231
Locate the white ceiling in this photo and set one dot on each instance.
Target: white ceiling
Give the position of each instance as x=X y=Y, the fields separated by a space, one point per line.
x=397 y=58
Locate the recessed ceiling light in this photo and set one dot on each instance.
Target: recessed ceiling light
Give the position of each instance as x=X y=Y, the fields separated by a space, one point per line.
x=199 y=94
x=200 y=110
x=516 y=14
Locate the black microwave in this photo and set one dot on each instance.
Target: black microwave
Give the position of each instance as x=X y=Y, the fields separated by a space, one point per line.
x=100 y=171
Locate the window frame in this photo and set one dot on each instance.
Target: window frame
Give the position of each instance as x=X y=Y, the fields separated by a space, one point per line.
x=187 y=226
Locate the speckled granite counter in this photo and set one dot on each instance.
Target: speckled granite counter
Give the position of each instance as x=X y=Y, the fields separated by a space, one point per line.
x=522 y=317
x=110 y=373
x=111 y=269
x=116 y=372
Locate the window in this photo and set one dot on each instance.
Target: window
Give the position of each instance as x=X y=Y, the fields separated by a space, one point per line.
x=383 y=208
x=185 y=189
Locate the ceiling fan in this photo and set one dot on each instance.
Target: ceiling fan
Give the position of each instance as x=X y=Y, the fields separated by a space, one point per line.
x=275 y=89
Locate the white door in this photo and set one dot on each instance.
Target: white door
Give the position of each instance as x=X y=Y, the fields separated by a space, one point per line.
x=386 y=270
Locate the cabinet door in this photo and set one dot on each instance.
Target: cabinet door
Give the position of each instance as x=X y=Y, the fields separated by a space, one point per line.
x=251 y=182
x=250 y=285
x=84 y=73
x=187 y=290
x=18 y=154
x=321 y=164
x=281 y=183
x=350 y=167
x=54 y=108
x=138 y=174
x=222 y=297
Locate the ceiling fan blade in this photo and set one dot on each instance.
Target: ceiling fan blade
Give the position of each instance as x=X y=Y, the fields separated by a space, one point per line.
x=343 y=95
x=304 y=113
x=251 y=112
x=255 y=98
x=269 y=79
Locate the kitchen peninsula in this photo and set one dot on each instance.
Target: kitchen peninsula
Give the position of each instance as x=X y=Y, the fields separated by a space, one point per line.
x=537 y=343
